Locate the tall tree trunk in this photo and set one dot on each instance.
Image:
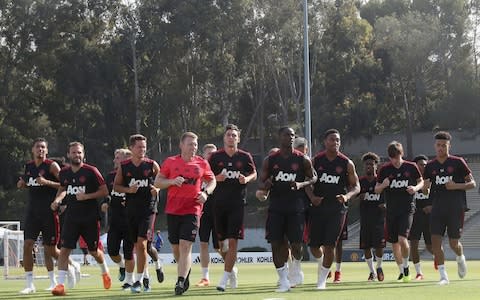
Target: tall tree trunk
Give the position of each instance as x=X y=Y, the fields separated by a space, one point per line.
x=135 y=80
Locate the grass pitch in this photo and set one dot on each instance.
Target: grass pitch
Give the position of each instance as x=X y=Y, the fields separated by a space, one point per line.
x=258 y=282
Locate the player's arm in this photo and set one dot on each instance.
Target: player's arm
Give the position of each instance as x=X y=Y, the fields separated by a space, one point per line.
x=413 y=189
x=61 y=193
x=55 y=170
x=427 y=184
x=153 y=189
x=265 y=177
x=310 y=175
x=253 y=174
x=162 y=181
x=382 y=184
x=469 y=184
x=118 y=184
x=100 y=193
x=353 y=184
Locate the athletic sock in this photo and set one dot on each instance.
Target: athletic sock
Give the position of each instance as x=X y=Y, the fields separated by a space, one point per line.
x=370 y=264
x=379 y=261
x=205 y=274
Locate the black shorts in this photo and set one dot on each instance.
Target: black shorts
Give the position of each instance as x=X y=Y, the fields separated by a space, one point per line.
x=372 y=234
x=88 y=228
x=229 y=222
x=141 y=226
x=182 y=227
x=117 y=235
x=326 y=228
x=46 y=223
x=207 y=229
x=281 y=225
x=421 y=225
x=450 y=221
x=398 y=225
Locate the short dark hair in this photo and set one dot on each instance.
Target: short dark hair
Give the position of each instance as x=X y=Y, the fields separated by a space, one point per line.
x=443 y=135
x=75 y=143
x=394 y=149
x=208 y=146
x=329 y=132
x=372 y=156
x=420 y=157
x=284 y=128
x=136 y=137
x=39 y=140
x=232 y=127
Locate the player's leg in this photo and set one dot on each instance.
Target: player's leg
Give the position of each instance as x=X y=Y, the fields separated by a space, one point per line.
x=204 y=235
x=91 y=235
x=454 y=229
x=295 y=230
x=276 y=230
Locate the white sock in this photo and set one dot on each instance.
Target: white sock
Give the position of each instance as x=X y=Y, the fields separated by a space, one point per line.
x=158 y=264
x=296 y=265
x=145 y=273
x=320 y=262
x=128 y=278
x=103 y=266
x=405 y=262
x=121 y=264
x=418 y=268
x=400 y=268
x=322 y=276
x=205 y=274
x=226 y=276
x=370 y=264
x=282 y=272
x=29 y=278
x=461 y=258
x=379 y=261
x=51 y=276
x=338 y=267
x=139 y=277
x=62 y=274
x=443 y=271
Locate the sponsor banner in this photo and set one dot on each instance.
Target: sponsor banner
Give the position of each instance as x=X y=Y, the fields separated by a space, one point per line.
x=358 y=255
x=215 y=258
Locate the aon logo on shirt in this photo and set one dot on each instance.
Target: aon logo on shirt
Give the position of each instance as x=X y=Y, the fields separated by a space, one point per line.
x=117 y=194
x=73 y=190
x=32 y=182
x=442 y=179
x=231 y=174
x=287 y=177
x=420 y=196
x=329 y=179
x=139 y=182
x=397 y=184
x=372 y=197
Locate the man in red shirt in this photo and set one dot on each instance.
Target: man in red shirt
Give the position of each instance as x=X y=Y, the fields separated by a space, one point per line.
x=182 y=175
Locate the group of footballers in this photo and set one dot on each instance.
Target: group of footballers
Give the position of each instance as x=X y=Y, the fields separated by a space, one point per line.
x=308 y=204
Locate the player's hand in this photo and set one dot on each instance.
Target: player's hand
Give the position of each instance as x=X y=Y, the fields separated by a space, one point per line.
x=202 y=197
x=41 y=180
x=382 y=207
x=133 y=189
x=104 y=207
x=362 y=196
x=450 y=185
x=386 y=182
x=54 y=205
x=427 y=209
x=242 y=179
x=178 y=181
x=316 y=200
x=261 y=195
x=411 y=190
x=295 y=186
x=341 y=198
x=81 y=196
x=21 y=183
x=62 y=209
x=154 y=191
x=221 y=177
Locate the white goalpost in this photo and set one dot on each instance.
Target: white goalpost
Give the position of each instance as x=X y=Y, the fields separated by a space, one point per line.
x=11 y=246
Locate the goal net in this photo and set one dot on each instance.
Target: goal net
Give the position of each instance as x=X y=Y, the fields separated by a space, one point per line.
x=11 y=248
